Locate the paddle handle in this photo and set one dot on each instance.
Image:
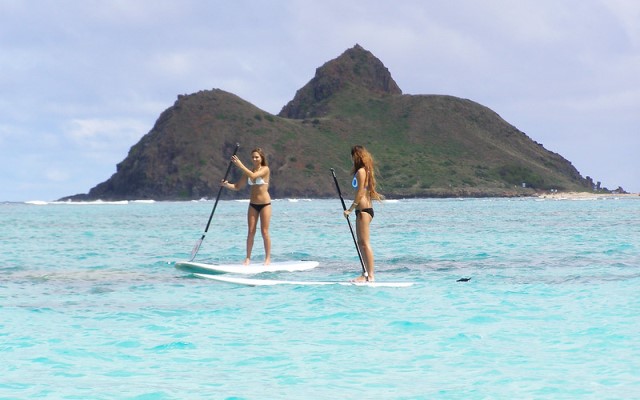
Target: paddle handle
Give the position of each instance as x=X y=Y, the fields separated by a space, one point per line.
x=226 y=174
x=344 y=208
x=199 y=242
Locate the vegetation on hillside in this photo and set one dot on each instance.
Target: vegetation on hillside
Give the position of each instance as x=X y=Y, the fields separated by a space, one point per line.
x=425 y=145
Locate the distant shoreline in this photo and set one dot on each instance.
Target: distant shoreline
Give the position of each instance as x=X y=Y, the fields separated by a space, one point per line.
x=586 y=195
x=549 y=196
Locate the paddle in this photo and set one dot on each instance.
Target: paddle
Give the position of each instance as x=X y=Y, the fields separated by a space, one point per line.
x=355 y=242
x=199 y=242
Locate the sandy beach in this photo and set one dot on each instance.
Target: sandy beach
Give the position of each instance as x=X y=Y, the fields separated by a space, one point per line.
x=587 y=195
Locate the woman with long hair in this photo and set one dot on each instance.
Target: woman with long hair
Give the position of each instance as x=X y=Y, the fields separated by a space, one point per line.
x=259 y=200
x=364 y=182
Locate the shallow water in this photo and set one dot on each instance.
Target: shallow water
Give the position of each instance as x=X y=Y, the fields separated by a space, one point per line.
x=91 y=306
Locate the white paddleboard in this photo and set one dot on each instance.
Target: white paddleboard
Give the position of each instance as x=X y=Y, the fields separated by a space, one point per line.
x=270 y=282
x=288 y=266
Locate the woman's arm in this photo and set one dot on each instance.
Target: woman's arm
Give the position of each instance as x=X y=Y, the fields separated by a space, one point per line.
x=261 y=173
x=236 y=186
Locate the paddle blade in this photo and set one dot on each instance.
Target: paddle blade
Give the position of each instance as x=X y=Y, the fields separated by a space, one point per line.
x=196 y=248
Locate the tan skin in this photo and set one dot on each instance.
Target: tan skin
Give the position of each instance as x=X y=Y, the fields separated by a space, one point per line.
x=259 y=195
x=361 y=201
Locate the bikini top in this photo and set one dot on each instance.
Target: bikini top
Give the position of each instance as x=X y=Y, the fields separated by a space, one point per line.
x=354 y=182
x=258 y=181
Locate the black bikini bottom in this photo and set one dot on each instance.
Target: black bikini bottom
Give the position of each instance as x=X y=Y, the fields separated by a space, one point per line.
x=259 y=207
x=367 y=210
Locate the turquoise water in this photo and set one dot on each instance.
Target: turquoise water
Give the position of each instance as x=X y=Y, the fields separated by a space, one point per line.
x=92 y=307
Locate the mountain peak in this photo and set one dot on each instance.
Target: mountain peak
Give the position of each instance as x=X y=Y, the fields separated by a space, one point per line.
x=462 y=147
x=356 y=68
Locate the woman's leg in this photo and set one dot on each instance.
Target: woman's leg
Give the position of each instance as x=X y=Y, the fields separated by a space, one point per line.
x=252 y=222
x=265 y=220
x=363 y=220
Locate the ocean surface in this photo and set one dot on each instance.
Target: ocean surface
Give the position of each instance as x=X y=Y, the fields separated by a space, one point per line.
x=91 y=306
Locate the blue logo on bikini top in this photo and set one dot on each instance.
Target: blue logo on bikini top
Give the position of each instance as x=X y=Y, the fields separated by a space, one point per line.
x=354 y=182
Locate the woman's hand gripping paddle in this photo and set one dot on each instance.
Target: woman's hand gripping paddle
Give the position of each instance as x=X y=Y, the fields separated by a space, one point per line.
x=355 y=242
x=199 y=242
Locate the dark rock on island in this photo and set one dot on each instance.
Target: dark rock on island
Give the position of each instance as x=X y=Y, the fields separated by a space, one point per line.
x=425 y=145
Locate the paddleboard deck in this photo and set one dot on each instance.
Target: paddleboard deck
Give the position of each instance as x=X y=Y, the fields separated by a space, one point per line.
x=282 y=266
x=271 y=282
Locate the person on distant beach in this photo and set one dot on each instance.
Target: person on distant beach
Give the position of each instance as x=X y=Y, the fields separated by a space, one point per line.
x=259 y=200
x=364 y=182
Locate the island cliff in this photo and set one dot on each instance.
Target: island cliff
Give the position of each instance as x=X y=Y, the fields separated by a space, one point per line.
x=425 y=145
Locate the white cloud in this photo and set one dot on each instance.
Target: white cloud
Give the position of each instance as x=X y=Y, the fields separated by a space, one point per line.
x=108 y=135
x=56 y=175
x=628 y=14
x=174 y=63
x=83 y=81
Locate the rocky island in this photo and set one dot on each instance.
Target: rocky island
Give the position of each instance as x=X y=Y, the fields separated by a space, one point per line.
x=425 y=145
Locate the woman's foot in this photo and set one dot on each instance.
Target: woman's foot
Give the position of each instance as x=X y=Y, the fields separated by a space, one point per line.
x=363 y=279
x=267 y=261
x=247 y=261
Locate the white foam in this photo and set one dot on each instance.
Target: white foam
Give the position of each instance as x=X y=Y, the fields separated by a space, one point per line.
x=95 y=202
x=37 y=202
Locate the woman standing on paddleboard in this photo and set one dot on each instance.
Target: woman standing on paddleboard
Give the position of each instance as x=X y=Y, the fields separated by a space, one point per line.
x=259 y=200
x=364 y=182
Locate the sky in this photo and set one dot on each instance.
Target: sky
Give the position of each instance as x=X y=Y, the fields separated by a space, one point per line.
x=83 y=81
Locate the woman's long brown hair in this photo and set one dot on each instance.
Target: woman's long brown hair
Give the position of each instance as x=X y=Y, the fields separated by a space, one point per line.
x=363 y=159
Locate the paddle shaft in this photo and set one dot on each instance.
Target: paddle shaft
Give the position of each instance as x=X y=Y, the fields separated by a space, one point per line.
x=226 y=174
x=344 y=208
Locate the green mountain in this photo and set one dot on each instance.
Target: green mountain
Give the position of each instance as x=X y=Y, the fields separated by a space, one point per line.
x=424 y=145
